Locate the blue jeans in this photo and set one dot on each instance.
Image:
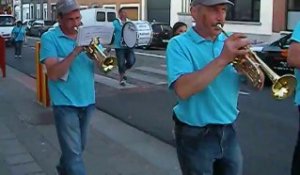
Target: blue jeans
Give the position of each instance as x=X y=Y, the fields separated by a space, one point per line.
x=71 y=127
x=126 y=59
x=296 y=156
x=18 y=47
x=209 y=150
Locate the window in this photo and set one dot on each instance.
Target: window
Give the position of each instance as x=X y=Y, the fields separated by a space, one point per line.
x=7 y=21
x=245 y=10
x=294 y=5
x=156 y=28
x=100 y=16
x=111 y=16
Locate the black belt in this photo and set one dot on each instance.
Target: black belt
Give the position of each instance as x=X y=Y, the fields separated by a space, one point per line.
x=180 y=123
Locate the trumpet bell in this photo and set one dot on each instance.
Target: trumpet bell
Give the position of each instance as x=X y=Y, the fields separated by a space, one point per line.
x=284 y=87
x=108 y=64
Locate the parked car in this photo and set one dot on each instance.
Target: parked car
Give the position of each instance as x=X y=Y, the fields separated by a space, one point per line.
x=39 y=27
x=162 y=33
x=275 y=55
x=28 y=23
x=6 y=25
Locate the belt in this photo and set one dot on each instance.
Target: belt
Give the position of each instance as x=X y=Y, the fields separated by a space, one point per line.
x=180 y=123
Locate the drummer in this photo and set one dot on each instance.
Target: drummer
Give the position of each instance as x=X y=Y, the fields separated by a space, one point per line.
x=125 y=55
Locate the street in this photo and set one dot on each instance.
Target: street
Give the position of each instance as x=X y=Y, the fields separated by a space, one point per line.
x=267 y=128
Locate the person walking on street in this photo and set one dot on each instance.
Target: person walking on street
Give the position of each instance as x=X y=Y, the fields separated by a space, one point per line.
x=294 y=61
x=200 y=72
x=71 y=86
x=125 y=55
x=18 y=35
x=178 y=28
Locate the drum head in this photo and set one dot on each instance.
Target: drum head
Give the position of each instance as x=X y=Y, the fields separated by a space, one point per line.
x=129 y=34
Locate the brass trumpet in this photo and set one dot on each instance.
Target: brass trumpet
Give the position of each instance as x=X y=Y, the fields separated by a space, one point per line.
x=253 y=66
x=104 y=63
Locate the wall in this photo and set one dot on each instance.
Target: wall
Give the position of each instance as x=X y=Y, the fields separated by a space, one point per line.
x=279 y=14
x=264 y=27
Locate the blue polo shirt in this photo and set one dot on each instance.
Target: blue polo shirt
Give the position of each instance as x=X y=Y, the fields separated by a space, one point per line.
x=78 y=89
x=217 y=103
x=296 y=38
x=18 y=33
x=118 y=34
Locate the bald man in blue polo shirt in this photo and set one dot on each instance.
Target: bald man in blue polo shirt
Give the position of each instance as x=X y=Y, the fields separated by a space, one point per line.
x=207 y=85
x=294 y=60
x=71 y=85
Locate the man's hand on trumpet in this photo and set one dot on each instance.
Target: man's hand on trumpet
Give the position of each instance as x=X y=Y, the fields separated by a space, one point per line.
x=235 y=46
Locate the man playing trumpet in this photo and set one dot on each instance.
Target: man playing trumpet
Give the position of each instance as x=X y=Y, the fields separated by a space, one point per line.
x=207 y=85
x=71 y=85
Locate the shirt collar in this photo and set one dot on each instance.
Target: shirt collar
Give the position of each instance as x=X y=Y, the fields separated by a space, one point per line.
x=60 y=33
x=199 y=39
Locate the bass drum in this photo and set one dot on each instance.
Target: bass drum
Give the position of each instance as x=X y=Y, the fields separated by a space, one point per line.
x=137 y=33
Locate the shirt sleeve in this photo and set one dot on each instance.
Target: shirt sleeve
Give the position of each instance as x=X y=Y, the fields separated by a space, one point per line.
x=178 y=62
x=296 y=33
x=48 y=49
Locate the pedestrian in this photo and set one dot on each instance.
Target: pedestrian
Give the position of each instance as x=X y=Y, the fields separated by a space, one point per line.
x=178 y=28
x=18 y=36
x=206 y=84
x=294 y=61
x=125 y=55
x=71 y=86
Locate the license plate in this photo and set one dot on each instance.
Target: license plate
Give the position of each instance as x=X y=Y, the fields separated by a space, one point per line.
x=165 y=40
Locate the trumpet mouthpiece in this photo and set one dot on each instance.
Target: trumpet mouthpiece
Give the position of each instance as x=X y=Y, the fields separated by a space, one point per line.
x=220 y=26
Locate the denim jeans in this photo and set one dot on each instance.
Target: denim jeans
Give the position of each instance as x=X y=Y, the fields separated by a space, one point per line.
x=209 y=150
x=296 y=156
x=126 y=59
x=71 y=127
x=18 y=47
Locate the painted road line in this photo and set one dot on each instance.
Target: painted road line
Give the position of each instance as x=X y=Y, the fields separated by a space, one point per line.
x=152 y=70
x=244 y=93
x=146 y=78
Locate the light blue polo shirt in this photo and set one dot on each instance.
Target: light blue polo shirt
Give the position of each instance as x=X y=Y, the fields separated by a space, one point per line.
x=118 y=34
x=78 y=89
x=296 y=38
x=19 y=33
x=217 y=103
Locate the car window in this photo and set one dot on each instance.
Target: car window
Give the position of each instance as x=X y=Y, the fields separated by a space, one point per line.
x=111 y=16
x=166 y=28
x=283 y=42
x=156 y=28
x=49 y=23
x=100 y=16
x=7 y=20
x=37 y=24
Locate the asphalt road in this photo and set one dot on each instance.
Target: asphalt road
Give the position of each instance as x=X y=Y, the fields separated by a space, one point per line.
x=267 y=128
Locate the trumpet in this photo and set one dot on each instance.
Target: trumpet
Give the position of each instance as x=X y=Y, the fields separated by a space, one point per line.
x=94 y=52
x=253 y=67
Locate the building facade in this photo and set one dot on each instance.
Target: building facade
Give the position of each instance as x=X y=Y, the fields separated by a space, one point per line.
x=253 y=17
x=46 y=9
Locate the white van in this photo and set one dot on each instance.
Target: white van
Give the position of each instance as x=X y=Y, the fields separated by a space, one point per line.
x=6 y=26
x=98 y=16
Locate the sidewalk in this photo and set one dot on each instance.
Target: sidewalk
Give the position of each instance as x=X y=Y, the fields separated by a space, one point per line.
x=28 y=143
